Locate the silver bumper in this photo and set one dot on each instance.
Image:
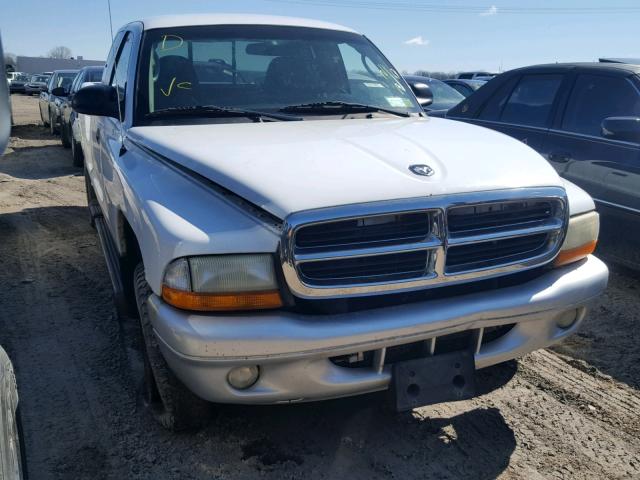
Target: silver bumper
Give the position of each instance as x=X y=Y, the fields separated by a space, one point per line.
x=293 y=350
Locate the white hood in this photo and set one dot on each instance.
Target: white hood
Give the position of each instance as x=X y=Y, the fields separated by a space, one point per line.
x=286 y=167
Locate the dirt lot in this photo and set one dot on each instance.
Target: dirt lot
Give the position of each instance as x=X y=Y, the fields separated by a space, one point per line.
x=573 y=412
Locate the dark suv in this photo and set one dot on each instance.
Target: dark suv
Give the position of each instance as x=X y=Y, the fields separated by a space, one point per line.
x=69 y=122
x=585 y=120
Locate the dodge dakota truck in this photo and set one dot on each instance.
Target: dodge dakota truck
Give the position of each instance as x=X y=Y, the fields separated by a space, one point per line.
x=288 y=225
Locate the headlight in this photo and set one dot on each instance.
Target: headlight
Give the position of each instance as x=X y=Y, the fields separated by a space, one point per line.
x=581 y=239
x=222 y=283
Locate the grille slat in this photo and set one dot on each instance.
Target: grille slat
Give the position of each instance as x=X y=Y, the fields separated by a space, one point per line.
x=498 y=251
x=372 y=268
x=465 y=220
x=360 y=232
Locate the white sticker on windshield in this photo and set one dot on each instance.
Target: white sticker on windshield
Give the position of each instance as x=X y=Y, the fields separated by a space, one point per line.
x=373 y=85
x=396 y=101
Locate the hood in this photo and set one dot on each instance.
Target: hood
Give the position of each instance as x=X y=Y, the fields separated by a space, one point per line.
x=285 y=167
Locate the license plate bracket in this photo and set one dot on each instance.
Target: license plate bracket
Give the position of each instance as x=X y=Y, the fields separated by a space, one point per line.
x=426 y=381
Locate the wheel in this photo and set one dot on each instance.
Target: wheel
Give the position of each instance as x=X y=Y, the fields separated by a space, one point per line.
x=172 y=404
x=76 y=153
x=46 y=124
x=64 y=135
x=91 y=196
x=53 y=128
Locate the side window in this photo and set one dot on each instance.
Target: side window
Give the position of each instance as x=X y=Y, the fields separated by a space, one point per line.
x=115 y=46
x=120 y=72
x=596 y=97
x=531 y=101
x=494 y=106
x=75 y=86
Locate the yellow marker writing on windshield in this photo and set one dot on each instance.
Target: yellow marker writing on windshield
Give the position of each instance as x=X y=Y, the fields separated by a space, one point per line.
x=163 y=45
x=181 y=85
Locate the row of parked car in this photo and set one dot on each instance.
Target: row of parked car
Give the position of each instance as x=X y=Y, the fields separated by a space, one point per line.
x=25 y=83
x=55 y=107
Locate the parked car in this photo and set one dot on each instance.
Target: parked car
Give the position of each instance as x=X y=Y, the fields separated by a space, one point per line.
x=11 y=76
x=474 y=75
x=69 y=127
x=464 y=87
x=37 y=84
x=294 y=232
x=585 y=120
x=443 y=98
x=18 y=82
x=12 y=453
x=49 y=102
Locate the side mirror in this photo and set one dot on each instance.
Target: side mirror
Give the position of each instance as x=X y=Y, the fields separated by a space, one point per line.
x=59 y=92
x=97 y=99
x=423 y=92
x=622 y=128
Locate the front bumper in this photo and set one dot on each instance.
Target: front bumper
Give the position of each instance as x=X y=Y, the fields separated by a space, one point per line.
x=293 y=350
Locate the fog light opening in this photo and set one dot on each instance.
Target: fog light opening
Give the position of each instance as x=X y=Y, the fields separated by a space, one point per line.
x=567 y=319
x=244 y=377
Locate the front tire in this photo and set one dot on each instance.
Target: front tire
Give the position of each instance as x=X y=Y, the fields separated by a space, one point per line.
x=53 y=128
x=46 y=124
x=172 y=404
x=76 y=153
x=64 y=135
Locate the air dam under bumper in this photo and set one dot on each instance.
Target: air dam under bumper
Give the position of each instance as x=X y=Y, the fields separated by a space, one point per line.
x=293 y=350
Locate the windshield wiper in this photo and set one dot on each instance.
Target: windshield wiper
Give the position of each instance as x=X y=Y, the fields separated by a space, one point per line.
x=218 y=112
x=340 y=107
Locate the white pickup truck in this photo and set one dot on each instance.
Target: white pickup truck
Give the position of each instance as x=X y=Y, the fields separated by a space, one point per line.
x=288 y=225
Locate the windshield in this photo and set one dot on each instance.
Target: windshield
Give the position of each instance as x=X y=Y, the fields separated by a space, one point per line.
x=444 y=96
x=93 y=75
x=22 y=78
x=65 y=79
x=40 y=79
x=266 y=68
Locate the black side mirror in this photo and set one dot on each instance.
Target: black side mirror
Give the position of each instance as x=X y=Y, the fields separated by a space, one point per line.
x=96 y=99
x=59 y=92
x=622 y=128
x=423 y=92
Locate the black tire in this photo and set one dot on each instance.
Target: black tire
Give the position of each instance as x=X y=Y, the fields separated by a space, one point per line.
x=53 y=128
x=46 y=124
x=91 y=196
x=172 y=404
x=76 y=153
x=64 y=135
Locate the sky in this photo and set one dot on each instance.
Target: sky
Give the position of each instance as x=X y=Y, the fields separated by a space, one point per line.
x=414 y=34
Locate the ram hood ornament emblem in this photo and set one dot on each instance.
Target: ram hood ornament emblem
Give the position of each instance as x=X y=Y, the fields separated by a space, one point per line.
x=422 y=170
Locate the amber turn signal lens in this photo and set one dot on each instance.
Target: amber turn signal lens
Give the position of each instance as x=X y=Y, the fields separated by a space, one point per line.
x=221 y=302
x=575 y=254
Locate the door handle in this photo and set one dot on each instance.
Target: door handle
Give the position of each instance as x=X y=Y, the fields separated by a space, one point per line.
x=97 y=134
x=619 y=174
x=559 y=157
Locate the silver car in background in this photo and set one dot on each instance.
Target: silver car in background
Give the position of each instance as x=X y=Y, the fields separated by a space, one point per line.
x=37 y=84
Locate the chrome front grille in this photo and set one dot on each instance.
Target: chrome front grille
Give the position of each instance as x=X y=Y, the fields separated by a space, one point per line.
x=406 y=245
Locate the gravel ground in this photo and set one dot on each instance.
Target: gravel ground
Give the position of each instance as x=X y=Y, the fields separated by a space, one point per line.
x=573 y=412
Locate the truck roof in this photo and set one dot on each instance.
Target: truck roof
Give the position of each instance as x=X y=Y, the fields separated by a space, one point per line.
x=167 y=21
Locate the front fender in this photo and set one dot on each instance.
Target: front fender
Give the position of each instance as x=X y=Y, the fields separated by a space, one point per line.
x=173 y=215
